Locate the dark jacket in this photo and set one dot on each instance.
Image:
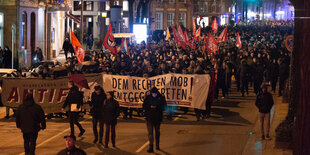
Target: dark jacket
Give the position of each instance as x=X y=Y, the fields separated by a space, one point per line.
x=30 y=117
x=154 y=115
x=97 y=103
x=274 y=70
x=264 y=102
x=111 y=111
x=244 y=71
x=74 y=151
x=74 y=97
x=66 y=46
x=283 y=71
x=258 y=73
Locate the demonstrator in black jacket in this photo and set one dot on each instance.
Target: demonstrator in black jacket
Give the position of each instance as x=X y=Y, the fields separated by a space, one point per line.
x=153 y=106
x=97 y=102
x=30 y=119
x=264 y=103
x=74 y=101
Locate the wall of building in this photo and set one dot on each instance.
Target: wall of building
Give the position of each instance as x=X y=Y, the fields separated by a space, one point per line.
x=174 y=7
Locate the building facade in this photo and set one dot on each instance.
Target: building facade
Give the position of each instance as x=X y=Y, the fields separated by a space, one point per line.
x=97 y=17
x=263 y=9
x=28 y=24
x=206 y=10
x=167 y=12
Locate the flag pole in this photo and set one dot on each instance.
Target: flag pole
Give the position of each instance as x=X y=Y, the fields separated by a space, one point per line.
x=81 y=25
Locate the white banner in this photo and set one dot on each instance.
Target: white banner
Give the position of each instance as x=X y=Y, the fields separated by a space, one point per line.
x=179 y=89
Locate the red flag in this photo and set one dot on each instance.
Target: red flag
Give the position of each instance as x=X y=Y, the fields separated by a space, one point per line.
x=79 y=79
x=238 y=21
x=194 y=26
x=179 y=38
x=109 y=42
x=193 y=45
x=214 y=26
x=197 y=33
x=180 y=31
x=238 y=41
x=78 y=49
x=223 y=36
x=211 y=44
x=186 y=38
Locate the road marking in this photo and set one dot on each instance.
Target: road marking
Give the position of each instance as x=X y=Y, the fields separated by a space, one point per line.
x=46 y=141
x=178 y=117
x=147 y=143
x=143 y=146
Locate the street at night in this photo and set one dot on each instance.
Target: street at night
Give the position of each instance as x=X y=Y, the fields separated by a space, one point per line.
x=227 y=131
x=166 y=77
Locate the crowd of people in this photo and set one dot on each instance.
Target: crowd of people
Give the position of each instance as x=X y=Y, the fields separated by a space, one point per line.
x=262 y=58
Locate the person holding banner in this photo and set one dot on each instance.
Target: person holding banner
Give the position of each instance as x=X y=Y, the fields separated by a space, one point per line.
x=110 y=113
x=74 y=101
x=98 y=98
x=153 y=106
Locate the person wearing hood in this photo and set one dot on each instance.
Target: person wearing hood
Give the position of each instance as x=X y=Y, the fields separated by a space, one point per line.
x=30 y=119
x=74 y=101
x=111 y=111
x=97 y=101
x=153 y=106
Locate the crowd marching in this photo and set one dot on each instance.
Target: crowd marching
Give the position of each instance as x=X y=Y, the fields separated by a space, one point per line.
x=251 y=54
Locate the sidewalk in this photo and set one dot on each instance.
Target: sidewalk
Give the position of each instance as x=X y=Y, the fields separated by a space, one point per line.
x=61 y=57
x=255 y=146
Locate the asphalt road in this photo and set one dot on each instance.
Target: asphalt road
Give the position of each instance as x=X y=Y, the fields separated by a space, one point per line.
x=226 y=132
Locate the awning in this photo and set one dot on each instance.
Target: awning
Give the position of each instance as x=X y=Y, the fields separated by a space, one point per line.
x=73 y=17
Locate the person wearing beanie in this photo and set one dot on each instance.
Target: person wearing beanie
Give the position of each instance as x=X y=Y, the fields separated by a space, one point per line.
x=153 y=106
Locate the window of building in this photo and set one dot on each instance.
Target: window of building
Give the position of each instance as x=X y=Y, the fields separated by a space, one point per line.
x=182 y=20
x=171 y=1
x=24 y=30
x=126 y=22
x=125 y=5
x=159 y=21
x=159 y=1
x=213 y=8
x=116 y=2
x=107 y=5
x=88 y=5
x=170 y=18
x=182 y=1
x=107 y=21
x=1 y=29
